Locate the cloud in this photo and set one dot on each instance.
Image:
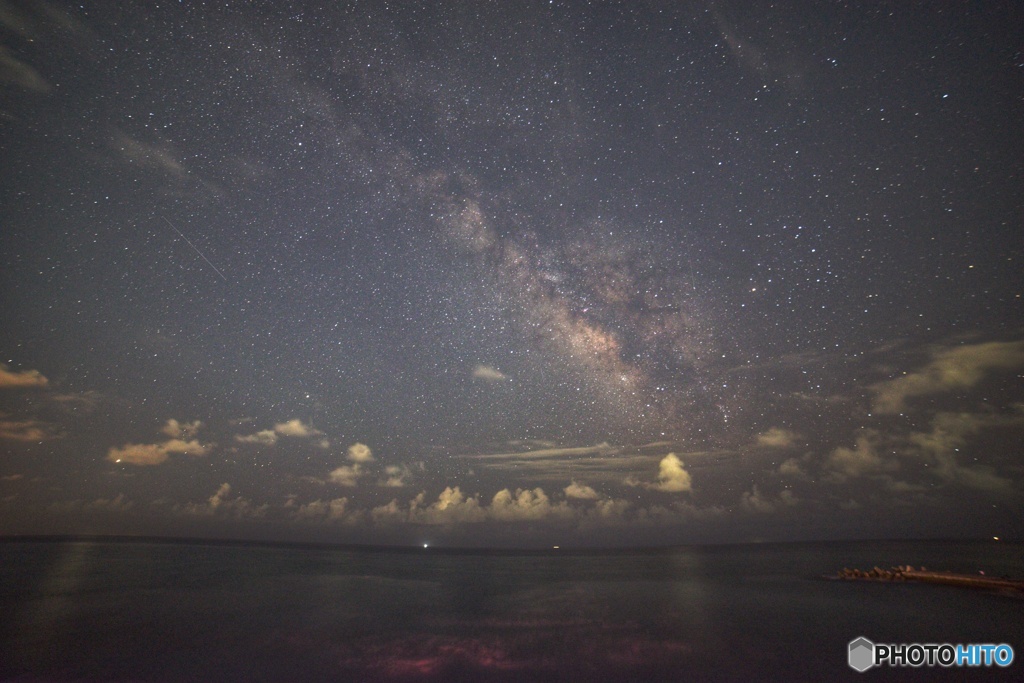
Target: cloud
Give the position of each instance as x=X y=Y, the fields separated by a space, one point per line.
x=155 y=453
x=149 y=156
x=525 y=505
x=192 y=447
x=138 y=454
x=388 y=514
x=961 y=367
x=397 y=475
x=607 y=510
x=292 y=428
x=12 y=477
x=222 y=503
x=558 y=464
x=360 y=452
x=602 y=448
x=13 y=70
x=755 y=501
x=183 y=430
x=777 y=437
x=487 y=373
x=18 y=380
x=217 y=499
x=672 y=478
x=745 y=51
x=861 y=460
x=87 y=401
x=949 y=434
x=452 y=506
x=296 y=428
x=117 y=504
x=581 y=491
x=346 y=475
x=792 y=468
x=27 y=430
x=267 y=437
x=329 y=510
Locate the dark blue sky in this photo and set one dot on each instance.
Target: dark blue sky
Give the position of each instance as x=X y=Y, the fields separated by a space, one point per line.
x=512 y=273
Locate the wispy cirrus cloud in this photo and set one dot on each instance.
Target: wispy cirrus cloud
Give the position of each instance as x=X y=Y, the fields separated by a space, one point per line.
x=489 y=374
x=19 y=73
x=960 y=367
x=27 y=430
x=777 y=437
x=950 y=432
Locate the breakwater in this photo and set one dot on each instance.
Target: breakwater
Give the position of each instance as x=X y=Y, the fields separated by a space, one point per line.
x=923 y=575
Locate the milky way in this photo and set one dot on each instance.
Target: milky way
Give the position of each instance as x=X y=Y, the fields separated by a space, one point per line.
x=511 y=274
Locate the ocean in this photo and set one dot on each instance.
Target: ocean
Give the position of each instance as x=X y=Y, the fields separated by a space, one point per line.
x=106 y=610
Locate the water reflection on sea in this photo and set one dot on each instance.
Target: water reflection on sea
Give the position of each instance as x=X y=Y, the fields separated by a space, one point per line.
x=163 y=612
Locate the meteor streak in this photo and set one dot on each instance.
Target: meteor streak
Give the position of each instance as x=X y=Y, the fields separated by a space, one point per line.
x=196 y=250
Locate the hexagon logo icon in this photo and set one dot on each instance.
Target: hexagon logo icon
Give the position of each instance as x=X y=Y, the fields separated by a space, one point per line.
x=861 y=654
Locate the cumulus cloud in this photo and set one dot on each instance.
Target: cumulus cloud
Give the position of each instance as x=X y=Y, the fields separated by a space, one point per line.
x=296 y=428
x=327 y=510
x=388 y=514
x=580 y=491
x=155 y=453
x=346 y=475
x=292 y=428
x=182 y=430
x=525 y=505
x=487 y=373
x=266 y=437
x=755 y=501
x=451 y=507
x=609 y=509
x=360 y=452
x=672 y=477
x=396 y=476
x=776 y=437
x=222 y=503
x=792 y=468
x=960 y=367
x=116 y=504
x=18 y=380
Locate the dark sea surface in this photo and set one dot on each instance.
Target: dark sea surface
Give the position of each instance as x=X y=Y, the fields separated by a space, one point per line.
x=157 y=611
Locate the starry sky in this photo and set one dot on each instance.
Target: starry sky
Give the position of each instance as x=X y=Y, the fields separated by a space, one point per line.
x=512 y=273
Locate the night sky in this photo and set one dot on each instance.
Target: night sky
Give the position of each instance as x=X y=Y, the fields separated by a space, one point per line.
x=512 y=273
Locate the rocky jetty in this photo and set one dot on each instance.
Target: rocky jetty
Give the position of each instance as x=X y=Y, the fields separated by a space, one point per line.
x=909 y=573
